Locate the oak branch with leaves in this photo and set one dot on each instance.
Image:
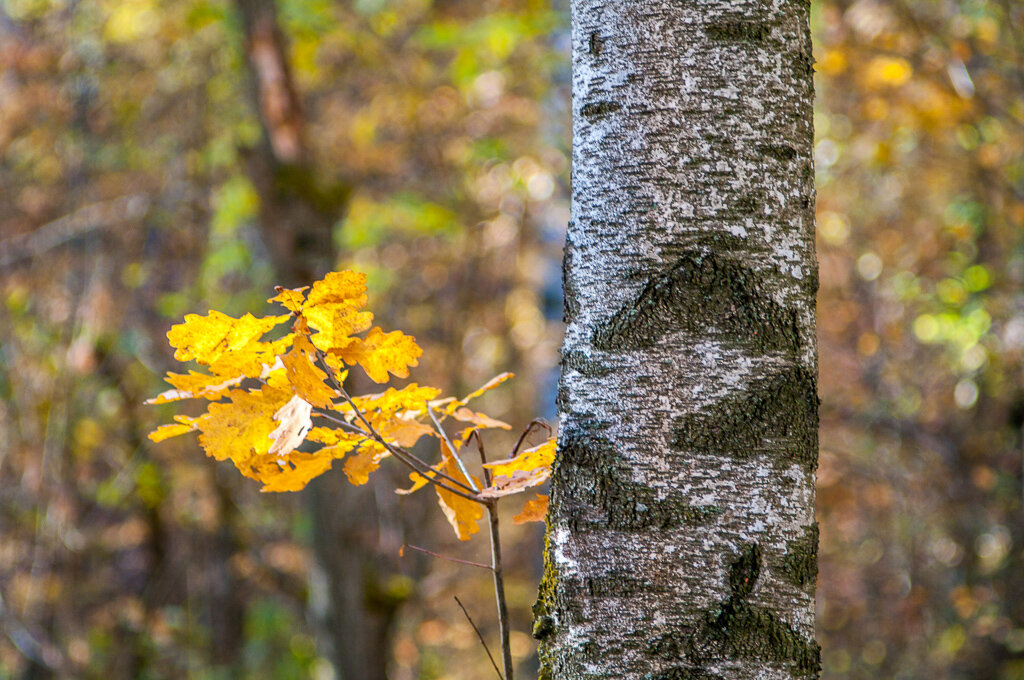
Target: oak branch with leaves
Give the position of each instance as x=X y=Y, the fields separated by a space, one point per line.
x=268 y=397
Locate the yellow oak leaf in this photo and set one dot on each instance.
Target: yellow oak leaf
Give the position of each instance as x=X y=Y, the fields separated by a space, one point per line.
x=184 y=424
x=290 y=298
x=462 y=514
x=290 y=472
x=412 y=397
x=419 y=481
x=295 y=421
x=251 y=359
x=451 y=405
x=330 y=436
x=534 y=510
x=306 y=379
x=380 y=353
x=194 y=384
x=481 y=420
x=206 y=338
x=530 y=468
x=167 y=431
x=345 y=287
x=336 y=324
x=240 y=428
x=403 y=431
x=364 y=461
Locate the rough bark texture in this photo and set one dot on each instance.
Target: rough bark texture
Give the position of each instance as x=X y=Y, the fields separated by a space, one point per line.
x=681 y=540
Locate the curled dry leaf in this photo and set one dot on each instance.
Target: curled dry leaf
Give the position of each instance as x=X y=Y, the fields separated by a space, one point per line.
x=295 y=423
x=530 y=468
x=534 y=510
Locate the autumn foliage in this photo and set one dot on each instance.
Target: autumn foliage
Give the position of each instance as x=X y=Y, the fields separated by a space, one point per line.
x=279 y=411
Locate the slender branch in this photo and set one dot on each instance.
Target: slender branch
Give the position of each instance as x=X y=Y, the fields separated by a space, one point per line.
x=499 y=590
x=486 y=649
x=496 y=568
x=483 y=456
x=445 y=557
x=529 y=428
x=451 y=447
x=411 y=461
x=401 y=454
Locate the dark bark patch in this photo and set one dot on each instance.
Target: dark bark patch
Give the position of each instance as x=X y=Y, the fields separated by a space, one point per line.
x=734 y=30
x=570 y=301
x=595 y=491
x=705 y=292
x=776 y=416
x=748 y=205
x=683 y=673
x=780 y=152
x=738 y=629
x=601 y=108
x=801 y=561
x=595 y=44
x=579 y=362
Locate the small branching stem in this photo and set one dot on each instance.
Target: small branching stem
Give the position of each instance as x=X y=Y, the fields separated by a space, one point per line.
x=423 y=468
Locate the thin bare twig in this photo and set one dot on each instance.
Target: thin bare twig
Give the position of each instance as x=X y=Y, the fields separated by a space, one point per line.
x=493 y=663
x=445 y=557
x=410 y=460
x=451 y=447
x=529 y=428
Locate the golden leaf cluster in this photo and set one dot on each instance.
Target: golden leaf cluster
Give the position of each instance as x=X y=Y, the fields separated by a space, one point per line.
x=279 y=411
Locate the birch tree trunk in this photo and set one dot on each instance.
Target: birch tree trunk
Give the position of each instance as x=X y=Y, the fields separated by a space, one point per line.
x=681 y=539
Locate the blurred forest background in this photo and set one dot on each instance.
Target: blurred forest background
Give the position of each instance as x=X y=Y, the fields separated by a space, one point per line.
x=159 y=157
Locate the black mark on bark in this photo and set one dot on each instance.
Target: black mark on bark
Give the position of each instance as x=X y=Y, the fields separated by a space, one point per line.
x=777 y=416
x=595 y=44
x=601 y=108
x=748 y=31
x=705 y=291
x=570 y=303
x=780 y=152
x=737 y=629
x=684 y=673
x=595 y=491
x=801 y=561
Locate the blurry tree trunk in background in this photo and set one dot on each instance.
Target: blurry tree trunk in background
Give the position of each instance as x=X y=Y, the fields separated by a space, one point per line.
x=682 y=541
x=298 y=210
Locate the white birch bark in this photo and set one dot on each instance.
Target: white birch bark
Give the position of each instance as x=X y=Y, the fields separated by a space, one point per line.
x=681 y=538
